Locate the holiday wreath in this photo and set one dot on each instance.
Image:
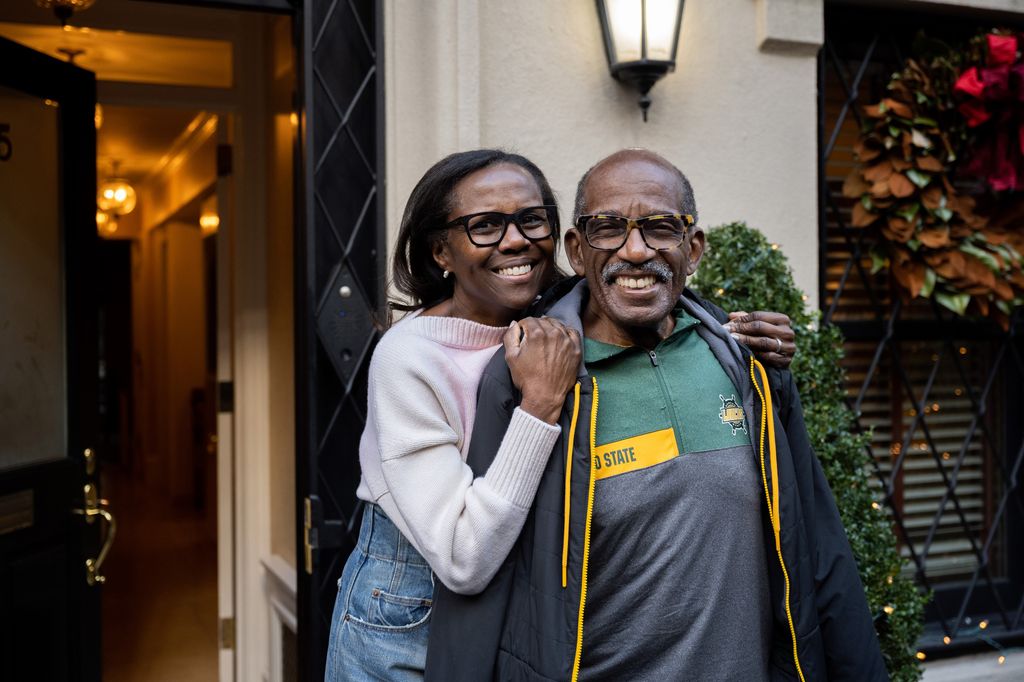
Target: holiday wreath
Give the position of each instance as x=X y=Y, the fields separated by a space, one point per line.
x=940 y=176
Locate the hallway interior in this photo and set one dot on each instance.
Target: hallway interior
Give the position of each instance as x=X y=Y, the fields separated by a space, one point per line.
x=160 y=598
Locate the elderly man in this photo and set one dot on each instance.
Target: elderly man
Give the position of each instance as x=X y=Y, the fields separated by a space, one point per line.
x=683 y=528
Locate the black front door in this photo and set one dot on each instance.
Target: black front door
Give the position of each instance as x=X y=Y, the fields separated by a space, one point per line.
x=52 y=524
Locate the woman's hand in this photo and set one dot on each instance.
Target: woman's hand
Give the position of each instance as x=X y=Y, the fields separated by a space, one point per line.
x=768 y=334
x=543 y=356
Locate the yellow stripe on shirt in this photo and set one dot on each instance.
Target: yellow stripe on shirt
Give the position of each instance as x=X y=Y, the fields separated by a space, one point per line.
x=635 y=453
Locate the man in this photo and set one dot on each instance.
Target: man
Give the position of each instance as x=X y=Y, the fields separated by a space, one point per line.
x=683 y=528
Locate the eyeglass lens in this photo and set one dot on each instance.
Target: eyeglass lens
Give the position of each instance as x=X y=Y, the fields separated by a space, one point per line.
x=486 y=229
x=610 y=232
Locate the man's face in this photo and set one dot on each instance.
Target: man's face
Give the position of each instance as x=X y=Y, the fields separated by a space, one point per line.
x=635 y=288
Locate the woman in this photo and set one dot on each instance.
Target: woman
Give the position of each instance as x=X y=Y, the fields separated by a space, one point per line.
x=476 y=249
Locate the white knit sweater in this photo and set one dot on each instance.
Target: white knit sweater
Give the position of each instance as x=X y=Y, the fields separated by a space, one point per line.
x=421 y=404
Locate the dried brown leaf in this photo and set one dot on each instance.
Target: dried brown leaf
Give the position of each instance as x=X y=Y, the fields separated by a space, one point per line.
x=935 y=237
x=929 y=163
x=898 y=108
x=932 y=197
x=854 y=185
x=900 y=185
x=861 y=216
x=878 y=172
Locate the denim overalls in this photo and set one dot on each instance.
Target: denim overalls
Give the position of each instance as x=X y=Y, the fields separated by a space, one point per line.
x=382 y=612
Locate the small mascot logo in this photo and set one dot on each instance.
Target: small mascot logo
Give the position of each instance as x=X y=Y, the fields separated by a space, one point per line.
x=732 y=414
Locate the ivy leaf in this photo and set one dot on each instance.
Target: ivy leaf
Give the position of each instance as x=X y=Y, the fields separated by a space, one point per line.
x=955 y=302
x=918 y=178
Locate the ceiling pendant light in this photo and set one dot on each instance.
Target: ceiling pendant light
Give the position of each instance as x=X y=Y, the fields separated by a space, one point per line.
x=63 y=9
x=116 y=195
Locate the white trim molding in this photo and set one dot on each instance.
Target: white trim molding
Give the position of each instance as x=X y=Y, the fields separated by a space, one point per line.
x=790 y=26
x=281 y=591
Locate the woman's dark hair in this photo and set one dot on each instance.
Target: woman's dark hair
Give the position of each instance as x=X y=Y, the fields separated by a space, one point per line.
x=416 y=274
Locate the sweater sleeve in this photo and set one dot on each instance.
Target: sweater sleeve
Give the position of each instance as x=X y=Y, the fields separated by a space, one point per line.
x=463 y=526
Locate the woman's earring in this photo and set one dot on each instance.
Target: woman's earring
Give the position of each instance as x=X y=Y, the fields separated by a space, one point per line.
x=446 y=273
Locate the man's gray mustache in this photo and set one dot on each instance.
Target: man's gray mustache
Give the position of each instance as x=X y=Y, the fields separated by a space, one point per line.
x=656 y=268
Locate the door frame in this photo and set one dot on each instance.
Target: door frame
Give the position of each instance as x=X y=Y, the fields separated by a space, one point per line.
x=73 y=89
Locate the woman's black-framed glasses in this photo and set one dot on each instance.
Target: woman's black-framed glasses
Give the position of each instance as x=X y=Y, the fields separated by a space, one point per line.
x=661 y=232
x=487 y=229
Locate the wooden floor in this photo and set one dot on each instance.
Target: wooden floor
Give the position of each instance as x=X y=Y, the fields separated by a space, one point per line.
x=160 y=598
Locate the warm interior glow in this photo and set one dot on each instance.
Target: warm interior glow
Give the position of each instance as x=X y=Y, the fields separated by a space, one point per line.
x=116 y=196
x=97 y=116
x=106 y=224
x=130 y=57
x=209 y=222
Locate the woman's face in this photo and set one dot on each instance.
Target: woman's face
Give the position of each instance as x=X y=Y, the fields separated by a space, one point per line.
x=486 y=290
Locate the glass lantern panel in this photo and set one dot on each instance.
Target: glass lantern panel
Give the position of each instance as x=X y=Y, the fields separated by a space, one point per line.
x=662 y=20
x=625 y=23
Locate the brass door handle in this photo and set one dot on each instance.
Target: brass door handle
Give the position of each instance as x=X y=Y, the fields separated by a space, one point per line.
x=96 y=507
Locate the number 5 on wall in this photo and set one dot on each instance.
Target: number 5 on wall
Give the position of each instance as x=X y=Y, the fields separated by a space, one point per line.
x=5 y=142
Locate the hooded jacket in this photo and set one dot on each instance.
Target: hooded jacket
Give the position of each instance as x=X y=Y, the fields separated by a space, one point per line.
x=529 y=624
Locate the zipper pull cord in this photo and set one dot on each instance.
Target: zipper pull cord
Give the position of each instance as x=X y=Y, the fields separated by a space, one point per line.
x=654 y=357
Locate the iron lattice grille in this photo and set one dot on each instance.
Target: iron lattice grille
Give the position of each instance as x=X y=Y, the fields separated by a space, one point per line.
x=342 y=288
x=940 y=394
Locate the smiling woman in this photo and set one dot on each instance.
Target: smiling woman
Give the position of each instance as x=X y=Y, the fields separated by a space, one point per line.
x=476 y=248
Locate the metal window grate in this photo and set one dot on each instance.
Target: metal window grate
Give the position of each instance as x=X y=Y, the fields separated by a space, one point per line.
x=941 y=395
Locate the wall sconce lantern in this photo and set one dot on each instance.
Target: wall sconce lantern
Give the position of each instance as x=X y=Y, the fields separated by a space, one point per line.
x=640 y=39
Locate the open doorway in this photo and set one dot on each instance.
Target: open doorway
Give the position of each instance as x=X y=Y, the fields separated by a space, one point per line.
x=196 y=134
x=158 y=379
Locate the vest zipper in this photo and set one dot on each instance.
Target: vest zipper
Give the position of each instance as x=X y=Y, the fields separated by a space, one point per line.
x=586 y=538
x=660 y=373
x=772 y=498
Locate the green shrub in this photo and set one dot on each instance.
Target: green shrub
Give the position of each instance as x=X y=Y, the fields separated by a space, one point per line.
x=742 y=271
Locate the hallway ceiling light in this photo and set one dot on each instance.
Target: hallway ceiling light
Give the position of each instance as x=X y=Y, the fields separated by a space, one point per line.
x=208 y=223
x=106 y=224
x=640 y=40
x=63 y=9
x=116 y=195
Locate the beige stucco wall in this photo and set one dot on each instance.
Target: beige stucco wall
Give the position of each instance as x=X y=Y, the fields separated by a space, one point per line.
x=738 y=116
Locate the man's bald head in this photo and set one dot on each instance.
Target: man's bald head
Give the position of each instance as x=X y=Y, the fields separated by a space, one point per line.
x=687 y=204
